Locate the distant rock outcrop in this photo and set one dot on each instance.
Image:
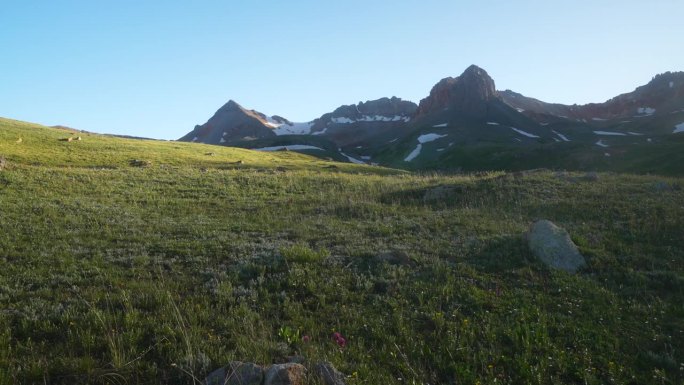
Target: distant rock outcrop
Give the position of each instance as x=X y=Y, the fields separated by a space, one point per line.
x=553 y=246
x=468 y=94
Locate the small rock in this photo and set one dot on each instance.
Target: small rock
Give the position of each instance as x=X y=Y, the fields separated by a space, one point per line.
x=3 y=163
x=236 y=373
x=140 y=163
x=394 y=257
x=285 y=374
x=210 y=154
x=553 y=246
x=438 y=193
x=327 y=372
x=662 y=186
x=19 y=140
x=591 y=176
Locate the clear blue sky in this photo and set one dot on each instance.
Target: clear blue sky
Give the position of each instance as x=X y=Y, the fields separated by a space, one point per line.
x=157 y=68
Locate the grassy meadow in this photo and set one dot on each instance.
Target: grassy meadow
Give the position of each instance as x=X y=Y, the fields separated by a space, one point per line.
x=113 y=273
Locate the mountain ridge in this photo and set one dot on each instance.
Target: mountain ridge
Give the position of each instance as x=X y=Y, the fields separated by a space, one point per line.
x=459 y=112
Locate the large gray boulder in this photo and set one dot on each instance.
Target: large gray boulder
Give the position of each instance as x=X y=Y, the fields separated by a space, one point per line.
x=285 y=374
x=236 y=373
x=553 y=246
x=327 y=372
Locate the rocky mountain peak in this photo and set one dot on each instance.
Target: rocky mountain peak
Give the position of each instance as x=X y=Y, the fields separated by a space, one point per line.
x=467 y=93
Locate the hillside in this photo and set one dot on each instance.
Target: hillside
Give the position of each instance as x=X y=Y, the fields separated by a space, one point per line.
x=139 y=262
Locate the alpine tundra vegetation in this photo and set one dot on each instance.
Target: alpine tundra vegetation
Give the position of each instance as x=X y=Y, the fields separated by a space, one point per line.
x=128 y=261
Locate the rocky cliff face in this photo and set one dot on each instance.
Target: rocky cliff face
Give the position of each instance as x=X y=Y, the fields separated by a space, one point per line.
x=384 y=111
x=467 y=94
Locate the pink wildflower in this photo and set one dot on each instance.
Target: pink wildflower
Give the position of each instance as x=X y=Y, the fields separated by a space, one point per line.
x=339 y=339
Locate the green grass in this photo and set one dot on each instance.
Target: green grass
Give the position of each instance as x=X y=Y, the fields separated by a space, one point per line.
x=119 y=274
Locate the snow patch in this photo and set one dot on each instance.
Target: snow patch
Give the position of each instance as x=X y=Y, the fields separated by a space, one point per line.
x=565 y=138
x=320 y=132
x=678 y=128
x=601 y=144
x=353 y=160
x=599 y=119
x=290 y=128
x=671 y=84
x=414 y=153
x=365 y=157
x=520 y=109
x=635 y=133
x=441 y=149
x=429 y=138
x=606 y=154
x=289 y=147
x=493 y=123
x=341 y=120
x=195 y=139
x=222 y=140
x=370 y=118
x=646 y=111
x=393 y=140
x=440 y=125
x=544 y=124
x=521 y=132
x=610 y=133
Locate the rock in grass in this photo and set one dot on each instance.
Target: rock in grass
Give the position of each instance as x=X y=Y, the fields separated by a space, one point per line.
x=553 y=246
x=327 y=372
x=236 y=373
x=285 y=374
x=438 y=193
x=591 y=176
x=140 y=163
x=3 y=162
x=394 y=257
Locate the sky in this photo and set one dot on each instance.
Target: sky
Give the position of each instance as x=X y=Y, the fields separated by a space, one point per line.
x=157 y=68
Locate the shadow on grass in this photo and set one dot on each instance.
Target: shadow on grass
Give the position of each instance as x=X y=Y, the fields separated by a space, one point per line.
x=503 y=253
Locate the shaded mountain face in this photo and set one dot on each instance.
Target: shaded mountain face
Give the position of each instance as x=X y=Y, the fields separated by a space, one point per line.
x=358 y=124
x=231 y=122
x=467 y=94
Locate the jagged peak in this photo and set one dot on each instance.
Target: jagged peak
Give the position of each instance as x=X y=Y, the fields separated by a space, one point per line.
x=465 y=92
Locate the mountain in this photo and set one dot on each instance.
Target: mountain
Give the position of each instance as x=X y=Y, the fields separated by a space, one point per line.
x=663 y=94
x=468 y=94
x=464 y=123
